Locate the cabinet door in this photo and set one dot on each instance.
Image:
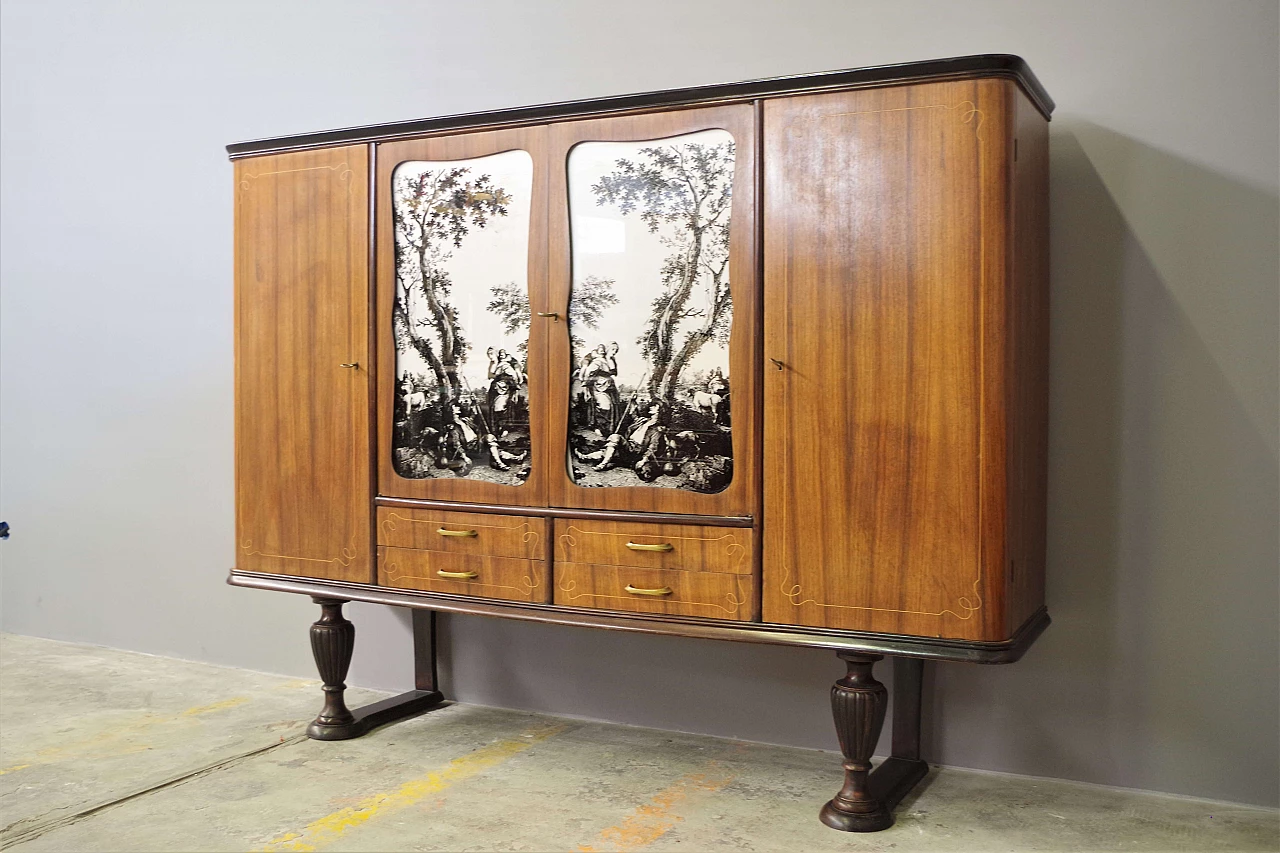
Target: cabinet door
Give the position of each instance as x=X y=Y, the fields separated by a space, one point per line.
x=461 y=274
x=884 y=270
x=652 y=258
x=303 y=496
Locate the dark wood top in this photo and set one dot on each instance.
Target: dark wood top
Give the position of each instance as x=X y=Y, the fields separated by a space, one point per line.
x=898 y=645
x=984 y=65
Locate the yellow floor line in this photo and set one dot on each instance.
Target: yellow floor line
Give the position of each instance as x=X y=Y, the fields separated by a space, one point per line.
x=332 y=827
x=655 y=818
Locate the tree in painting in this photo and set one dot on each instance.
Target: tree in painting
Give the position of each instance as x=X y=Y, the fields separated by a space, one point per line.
x=444 y=426
x=673 y=429
x=434 y=211
x=687 y=188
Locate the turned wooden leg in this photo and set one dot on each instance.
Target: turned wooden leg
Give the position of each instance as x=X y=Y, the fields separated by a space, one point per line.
x=858 y=703
x=333 y=639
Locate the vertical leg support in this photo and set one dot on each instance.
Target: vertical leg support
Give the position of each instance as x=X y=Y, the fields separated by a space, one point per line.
x=332 y=642
x=858 y=702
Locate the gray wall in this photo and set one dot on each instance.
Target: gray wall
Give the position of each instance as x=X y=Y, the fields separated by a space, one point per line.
x=1160 y=670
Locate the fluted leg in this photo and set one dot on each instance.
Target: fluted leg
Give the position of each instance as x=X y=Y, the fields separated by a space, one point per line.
x=333 y=639
x=858 y=703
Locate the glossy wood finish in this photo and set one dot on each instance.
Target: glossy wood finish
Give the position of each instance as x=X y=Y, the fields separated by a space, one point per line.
x=964 y=651
x=302 y=299
x=684 y=548
x=741 y=497
x=886 y=251
x=991 y=65
x=461 y=147
x=514 y=536
x=720 y=596
x=489 y=577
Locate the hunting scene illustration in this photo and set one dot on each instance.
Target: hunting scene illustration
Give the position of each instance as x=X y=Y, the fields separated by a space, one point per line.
x=650 y=313
x=461 y=318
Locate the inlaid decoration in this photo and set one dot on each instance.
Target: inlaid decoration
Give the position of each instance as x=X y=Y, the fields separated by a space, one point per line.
x=461 y=318
x=650 y=313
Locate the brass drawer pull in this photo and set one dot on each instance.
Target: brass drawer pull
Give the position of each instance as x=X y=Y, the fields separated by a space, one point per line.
x=634 y=590
x=469 y=533
x=466 y=576
x=640 y=546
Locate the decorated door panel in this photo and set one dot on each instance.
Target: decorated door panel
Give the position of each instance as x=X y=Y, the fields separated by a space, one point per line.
x=461 y=274
x=652 y=275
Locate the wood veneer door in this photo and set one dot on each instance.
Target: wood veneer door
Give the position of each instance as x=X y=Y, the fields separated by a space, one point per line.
x=653 y=378
x=303 y=484
x=884 y=273
x=462 y=274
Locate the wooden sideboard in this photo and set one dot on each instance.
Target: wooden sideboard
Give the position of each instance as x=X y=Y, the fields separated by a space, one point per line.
x=763 y=362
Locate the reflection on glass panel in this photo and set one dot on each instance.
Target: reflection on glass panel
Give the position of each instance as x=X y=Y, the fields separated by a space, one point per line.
x=650 y=312
x=461 y=318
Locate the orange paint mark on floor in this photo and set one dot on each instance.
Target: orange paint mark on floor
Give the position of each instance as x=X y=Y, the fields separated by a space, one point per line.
x=657 y=817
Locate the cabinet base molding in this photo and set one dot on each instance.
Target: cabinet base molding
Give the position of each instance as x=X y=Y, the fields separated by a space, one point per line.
x=898 y=645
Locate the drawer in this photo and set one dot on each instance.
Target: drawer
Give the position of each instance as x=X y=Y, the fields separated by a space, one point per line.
x=476 y=533
x=655 y=546
x=462 y=574
x=710 y=594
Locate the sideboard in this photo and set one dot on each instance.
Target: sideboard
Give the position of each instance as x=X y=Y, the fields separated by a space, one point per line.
x=762 y=362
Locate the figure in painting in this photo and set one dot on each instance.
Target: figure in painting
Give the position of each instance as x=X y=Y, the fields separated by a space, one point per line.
x=672 y=428
x=454 y=418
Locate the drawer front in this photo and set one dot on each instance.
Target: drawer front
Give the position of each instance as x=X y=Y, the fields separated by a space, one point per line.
x=679 y=547
x=483 y=577
x=709 y=594
x=473 y=533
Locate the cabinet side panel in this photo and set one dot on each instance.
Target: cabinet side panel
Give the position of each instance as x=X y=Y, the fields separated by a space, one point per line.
x=1029 y=369
x=303 y=502
x=883 y=230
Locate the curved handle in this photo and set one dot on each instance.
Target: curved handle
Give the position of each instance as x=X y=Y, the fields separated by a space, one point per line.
x=776 y=363
x=640 y=546
x=552 y=314
x=468 y=533
x=350 y=365
x=635 y=590
x=466 y=576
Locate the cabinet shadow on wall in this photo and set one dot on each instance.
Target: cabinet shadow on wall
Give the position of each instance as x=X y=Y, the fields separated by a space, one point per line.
x=1163 y=495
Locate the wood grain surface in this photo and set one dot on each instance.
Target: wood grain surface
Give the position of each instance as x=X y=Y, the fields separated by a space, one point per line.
x=303 y=494
x=462 y=147
x=885 y=271
x=495 y=577
x=693 y=549
x=495 y=535
x=741 y=496
x=721 y=596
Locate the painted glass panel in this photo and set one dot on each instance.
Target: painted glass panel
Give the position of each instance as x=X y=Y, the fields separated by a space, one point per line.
x=650 y=313
x=461 y=318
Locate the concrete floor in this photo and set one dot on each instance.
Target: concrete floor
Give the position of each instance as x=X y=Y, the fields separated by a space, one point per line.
x=110 y=750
